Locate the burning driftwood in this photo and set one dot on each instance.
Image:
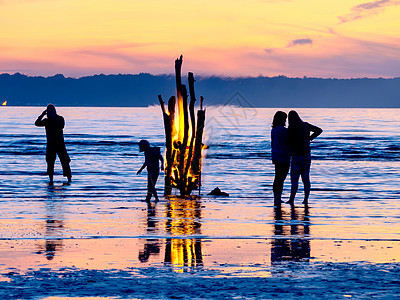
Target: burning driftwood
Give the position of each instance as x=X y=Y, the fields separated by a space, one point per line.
x=183 y=137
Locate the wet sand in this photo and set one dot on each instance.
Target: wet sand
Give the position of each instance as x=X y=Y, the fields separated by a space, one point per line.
x=209 y=247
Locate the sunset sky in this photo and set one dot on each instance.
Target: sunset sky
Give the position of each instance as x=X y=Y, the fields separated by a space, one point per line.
x=328 y=38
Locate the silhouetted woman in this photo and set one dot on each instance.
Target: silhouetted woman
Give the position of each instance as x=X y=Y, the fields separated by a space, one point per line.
x=280 y=153
x=299 y=144
x=54 y=125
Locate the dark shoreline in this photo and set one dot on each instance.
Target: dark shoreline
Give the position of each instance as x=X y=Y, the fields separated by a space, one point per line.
x=141 y=90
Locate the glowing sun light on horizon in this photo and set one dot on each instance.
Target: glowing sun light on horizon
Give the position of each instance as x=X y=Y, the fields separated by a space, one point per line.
x=4 y=103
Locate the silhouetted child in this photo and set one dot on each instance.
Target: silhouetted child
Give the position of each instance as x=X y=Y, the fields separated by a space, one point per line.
x=54 y=125
x=152 y=156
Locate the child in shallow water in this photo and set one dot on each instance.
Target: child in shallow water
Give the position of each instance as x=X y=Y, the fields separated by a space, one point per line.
x=152 y=156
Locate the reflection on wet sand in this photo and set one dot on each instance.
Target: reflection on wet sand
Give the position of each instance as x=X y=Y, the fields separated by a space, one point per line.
x=183 y=219
x=151 y=246
x=53 y=226
x=291 y=241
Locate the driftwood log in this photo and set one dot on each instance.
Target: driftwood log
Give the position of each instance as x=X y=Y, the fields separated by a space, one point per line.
x=183 y=137
x=169 y=126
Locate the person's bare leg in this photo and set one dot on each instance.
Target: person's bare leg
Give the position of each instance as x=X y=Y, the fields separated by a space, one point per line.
x=153 y=178
x=307 y=189
x=51 y=182
x=65 y=160
x=277 y=192
x=280 y=176
x=293 y=191
x=305 y=177
x=50 y=159
x=155 y=194
x=294 y=178
x=148 y=197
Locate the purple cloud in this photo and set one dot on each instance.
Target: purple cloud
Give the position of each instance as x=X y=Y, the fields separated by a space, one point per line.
x=294 y=43
x=300 y=42
x=366 y=9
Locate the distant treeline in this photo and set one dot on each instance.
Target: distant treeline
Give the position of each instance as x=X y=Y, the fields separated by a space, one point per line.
x=142 y=90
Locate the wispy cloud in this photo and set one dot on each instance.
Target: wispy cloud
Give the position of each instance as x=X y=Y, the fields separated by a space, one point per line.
x=294 y=43
x=363 y=58
x=367 y=9
x=107 y=59
x=29 y=67
x=300 y=42
x=13 y=70
x=129 y=54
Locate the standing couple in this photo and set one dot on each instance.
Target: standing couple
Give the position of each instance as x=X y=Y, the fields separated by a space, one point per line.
x=291 y=148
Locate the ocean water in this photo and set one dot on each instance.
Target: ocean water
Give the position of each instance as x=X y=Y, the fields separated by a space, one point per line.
x=100 y=221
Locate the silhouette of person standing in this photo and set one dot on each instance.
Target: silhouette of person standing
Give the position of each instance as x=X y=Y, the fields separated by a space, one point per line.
x=299 y=145
x=291 y=244
x=280 y=153
x=152 y=245
x=152 y=156
x=54 y=125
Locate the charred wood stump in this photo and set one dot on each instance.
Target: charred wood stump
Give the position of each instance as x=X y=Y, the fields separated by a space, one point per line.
x=183 y=137
x=168 y=117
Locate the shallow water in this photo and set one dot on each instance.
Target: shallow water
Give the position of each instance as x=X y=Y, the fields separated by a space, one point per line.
x=100 y=221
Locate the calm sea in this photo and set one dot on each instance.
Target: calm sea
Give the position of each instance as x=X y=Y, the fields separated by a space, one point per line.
x=355 y=182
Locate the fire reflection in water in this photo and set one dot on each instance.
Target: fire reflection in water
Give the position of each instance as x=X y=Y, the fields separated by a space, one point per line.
x=291 y=241
x=183 y=219
x=53 y=226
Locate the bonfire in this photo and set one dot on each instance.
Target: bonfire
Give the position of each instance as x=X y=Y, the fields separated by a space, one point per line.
x=183 y=137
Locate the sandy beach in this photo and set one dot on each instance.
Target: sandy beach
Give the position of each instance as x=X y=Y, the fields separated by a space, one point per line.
x=198 y=249
x=98 y=239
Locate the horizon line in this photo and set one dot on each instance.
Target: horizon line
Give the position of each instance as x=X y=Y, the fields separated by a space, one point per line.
x=198 y=76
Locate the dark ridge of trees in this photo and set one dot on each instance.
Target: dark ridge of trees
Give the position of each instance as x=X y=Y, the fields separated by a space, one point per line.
x=142 y=90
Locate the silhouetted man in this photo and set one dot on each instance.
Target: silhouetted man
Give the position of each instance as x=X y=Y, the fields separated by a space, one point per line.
x=54 y=125
x=152 y=156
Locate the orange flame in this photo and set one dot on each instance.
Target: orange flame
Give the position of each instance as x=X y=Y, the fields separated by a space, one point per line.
x=4 y=103
x=177 y=141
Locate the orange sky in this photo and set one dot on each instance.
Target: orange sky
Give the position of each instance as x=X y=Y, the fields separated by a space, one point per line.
x=330 y=38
